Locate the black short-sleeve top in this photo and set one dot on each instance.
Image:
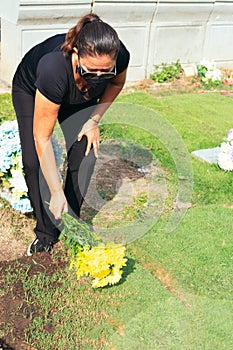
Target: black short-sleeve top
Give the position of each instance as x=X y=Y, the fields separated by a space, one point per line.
x=46 y=68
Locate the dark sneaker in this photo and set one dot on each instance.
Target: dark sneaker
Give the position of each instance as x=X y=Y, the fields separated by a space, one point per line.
x=38 y=247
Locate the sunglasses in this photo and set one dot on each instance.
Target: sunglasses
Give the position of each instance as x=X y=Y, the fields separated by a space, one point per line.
x=87 y=74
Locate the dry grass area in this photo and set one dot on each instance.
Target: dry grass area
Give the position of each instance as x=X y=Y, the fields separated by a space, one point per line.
x=16 y=232
x=182 y=85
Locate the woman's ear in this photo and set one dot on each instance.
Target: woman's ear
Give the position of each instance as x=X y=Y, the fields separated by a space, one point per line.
x=75 y=50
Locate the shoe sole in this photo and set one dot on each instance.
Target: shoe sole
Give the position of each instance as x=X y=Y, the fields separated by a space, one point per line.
x=29 y=250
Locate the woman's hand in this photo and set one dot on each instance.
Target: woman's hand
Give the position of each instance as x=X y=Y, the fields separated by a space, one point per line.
x=91 y=131
x=58 y=204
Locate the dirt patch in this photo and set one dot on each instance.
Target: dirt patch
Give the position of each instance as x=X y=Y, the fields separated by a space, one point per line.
x=15 y=313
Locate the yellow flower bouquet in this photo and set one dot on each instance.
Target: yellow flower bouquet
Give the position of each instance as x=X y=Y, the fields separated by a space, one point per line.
x=90 y=256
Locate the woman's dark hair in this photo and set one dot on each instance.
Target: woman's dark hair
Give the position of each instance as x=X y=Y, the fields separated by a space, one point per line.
x=92 y=36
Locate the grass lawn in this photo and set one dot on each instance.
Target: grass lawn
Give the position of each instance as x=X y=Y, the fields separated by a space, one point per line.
x=176 y=291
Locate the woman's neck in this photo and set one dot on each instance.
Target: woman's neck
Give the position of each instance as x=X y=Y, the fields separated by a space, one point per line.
x=81 y=84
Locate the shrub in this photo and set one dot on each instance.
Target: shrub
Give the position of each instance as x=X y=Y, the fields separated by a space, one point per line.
x=165 y=73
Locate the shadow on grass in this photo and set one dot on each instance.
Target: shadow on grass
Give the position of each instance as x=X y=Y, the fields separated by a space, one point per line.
x=127 y=270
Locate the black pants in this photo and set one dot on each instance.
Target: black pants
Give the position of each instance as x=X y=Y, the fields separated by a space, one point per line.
x=79 y=171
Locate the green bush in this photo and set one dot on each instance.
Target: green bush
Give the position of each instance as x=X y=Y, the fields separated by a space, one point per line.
x=165 y=73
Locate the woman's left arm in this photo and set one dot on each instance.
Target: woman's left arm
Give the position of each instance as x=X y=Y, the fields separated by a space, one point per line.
x=90 y=128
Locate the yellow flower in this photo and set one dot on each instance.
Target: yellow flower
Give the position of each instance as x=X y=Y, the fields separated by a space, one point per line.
x=103 y=263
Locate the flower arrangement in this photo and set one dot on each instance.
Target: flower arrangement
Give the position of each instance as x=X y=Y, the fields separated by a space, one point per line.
x=13 y=187
x=90 y=256
x=225 y=157
x=209 y=74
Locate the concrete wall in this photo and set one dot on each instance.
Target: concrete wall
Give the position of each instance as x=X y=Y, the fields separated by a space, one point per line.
x=153 y=31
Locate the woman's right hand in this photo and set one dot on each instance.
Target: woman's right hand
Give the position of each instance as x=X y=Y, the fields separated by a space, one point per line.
x=58 y=204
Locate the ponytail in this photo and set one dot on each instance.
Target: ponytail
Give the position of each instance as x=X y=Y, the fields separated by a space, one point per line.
x=92 y=36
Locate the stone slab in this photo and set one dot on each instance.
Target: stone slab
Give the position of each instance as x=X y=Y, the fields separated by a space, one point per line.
x=209 y=155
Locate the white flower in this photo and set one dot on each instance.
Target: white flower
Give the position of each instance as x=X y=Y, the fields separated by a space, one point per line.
x=225 y=158
x=225 y=162
x=209 y=65
x=213 y=73
x=18 y=182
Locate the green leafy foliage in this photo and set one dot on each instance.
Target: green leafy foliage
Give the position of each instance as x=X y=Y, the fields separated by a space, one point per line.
x=201 y=70
x=6 y=108
x=167 y=72
x=76 y=233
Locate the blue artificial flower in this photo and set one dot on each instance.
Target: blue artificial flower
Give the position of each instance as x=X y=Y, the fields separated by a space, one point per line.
x=23 y=205
x=14 y=188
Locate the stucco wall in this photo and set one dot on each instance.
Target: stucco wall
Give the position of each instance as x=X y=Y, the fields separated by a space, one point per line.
x=153 y=31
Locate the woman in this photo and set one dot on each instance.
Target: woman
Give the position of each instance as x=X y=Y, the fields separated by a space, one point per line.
x=72 y=77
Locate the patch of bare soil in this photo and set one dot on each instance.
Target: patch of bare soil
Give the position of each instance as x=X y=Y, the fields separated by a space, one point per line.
x=15 y=313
